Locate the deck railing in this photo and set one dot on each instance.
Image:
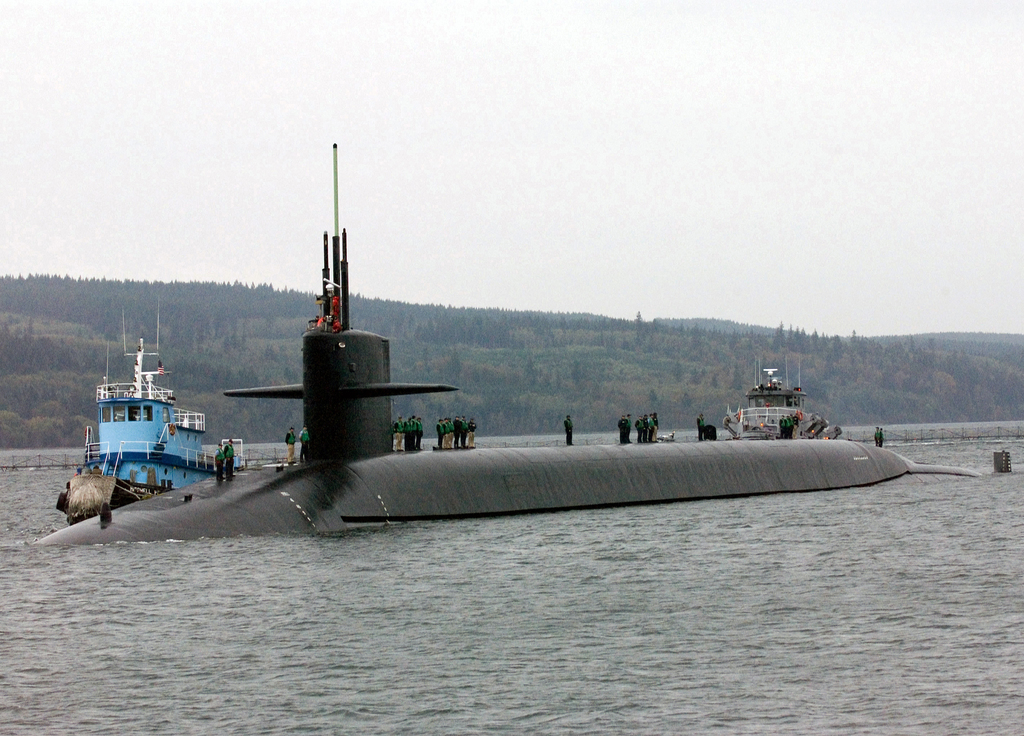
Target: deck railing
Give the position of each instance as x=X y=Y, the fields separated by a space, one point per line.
x=190 y=419
x=102 y=452
x=127 y=391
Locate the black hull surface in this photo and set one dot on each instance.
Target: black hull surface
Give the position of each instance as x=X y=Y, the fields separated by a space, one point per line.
x=331 y=496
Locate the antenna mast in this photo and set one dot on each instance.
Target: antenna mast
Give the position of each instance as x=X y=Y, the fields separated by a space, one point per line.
x=340 y=260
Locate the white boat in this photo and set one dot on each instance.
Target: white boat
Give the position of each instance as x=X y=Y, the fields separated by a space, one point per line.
x=775 y=411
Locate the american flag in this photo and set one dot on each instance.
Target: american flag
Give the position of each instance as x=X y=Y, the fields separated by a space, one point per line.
x=160 y=367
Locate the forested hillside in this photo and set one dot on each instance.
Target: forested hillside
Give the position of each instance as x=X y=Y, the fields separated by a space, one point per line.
x=519 y=372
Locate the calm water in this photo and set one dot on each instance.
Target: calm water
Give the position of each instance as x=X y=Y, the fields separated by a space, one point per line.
x=892 y=609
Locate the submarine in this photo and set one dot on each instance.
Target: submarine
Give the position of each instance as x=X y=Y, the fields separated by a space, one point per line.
x=353 y=478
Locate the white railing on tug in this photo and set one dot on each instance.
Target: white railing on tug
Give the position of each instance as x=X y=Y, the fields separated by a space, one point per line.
x=98 y=451
x=764 y=416
x=190 y=419
x=128 y=391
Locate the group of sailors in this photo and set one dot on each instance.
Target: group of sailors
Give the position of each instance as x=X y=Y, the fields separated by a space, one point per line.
x=452 y=433
x=879 y=437
x=408 y=434
x=456 y=434
x=787 y=426
x=224 y=460
x=646 y=428
x=289 y=441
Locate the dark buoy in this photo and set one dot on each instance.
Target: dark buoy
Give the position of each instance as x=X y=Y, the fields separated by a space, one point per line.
x=62 y=500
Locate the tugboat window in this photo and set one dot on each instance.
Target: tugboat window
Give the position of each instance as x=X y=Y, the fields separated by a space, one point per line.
x=118 y=413
x=167 y=415
x=147 y=413
x=106 y=414
x=134 y=413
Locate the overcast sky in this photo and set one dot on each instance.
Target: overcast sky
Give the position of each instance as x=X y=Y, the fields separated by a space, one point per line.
x=836 y=167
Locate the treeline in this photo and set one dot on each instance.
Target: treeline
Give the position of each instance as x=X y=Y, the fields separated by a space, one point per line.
x=519 y=372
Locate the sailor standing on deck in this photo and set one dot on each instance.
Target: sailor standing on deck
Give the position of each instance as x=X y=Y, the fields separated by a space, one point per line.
x=304 y=450
x=398 y=428
x=229 y=460
x=218 y=461
x=568 y=430
x=289 y=439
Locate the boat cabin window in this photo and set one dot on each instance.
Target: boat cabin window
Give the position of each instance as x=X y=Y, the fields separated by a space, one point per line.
x=118 y=413
x=167 y=415
x=105 y=414
x=147 y=413
x=134 y=413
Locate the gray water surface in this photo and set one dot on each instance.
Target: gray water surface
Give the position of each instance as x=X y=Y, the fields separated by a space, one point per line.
x=891 y=609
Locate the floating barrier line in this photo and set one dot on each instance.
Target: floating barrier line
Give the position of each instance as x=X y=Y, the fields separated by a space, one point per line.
x=941 y=434
x=35 y=462
x=892 y=437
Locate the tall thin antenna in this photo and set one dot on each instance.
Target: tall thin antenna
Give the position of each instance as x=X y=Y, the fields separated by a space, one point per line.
x=336 y=233
x=124 y=334
x=158 y=324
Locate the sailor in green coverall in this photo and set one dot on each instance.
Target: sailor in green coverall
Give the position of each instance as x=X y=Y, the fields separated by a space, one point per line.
x=289 y=439
x=229 y=460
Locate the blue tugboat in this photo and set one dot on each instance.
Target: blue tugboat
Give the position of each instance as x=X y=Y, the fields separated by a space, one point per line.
x=145 y=446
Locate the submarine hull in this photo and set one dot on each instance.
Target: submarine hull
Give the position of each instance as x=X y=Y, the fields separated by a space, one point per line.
x=330 y=496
